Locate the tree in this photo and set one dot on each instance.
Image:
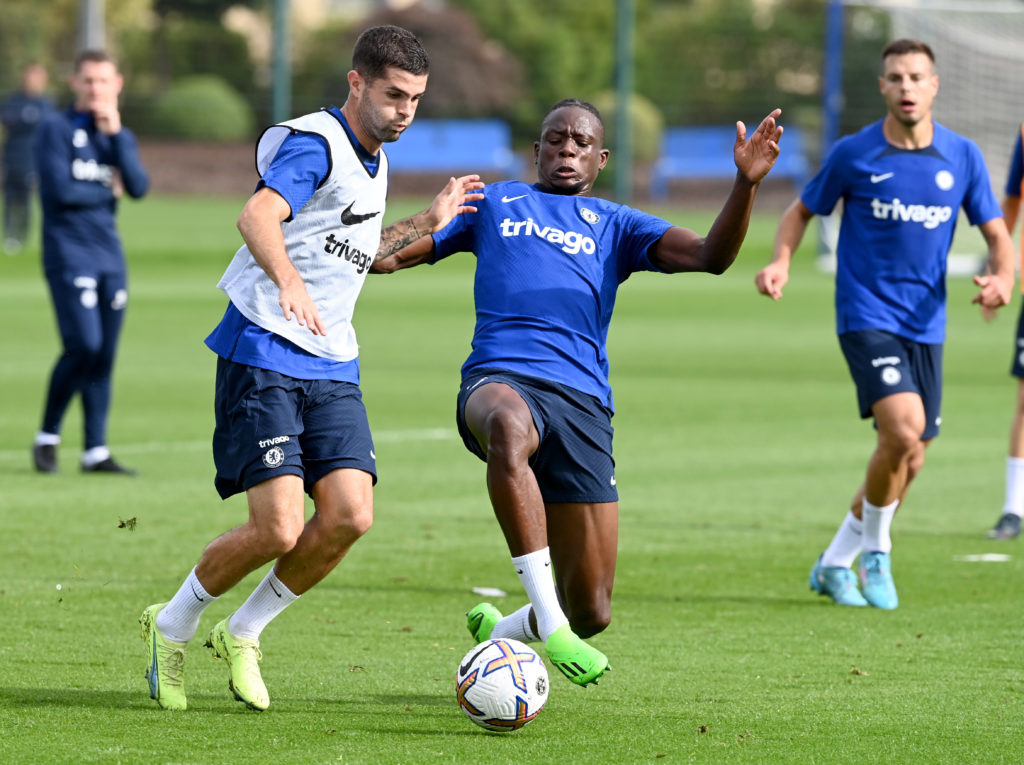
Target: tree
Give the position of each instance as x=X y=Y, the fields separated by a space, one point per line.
x=470 y=76
x=697 y=61
x=714 y=63
x=566 y=48
x=200 y=10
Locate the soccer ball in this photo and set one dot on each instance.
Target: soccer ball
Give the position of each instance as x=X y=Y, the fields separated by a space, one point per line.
x=501 y=684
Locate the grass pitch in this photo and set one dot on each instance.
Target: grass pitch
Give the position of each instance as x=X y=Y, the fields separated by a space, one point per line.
x=738 y=448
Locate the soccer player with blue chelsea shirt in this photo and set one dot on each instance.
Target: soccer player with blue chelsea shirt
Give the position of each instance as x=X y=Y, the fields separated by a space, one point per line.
x=902 y=180
x=534 y=403
x=289 y=413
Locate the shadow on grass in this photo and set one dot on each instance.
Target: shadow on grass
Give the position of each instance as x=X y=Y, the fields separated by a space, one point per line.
x=42 y=698
x=425 y=715
x=747 y=600
x=7 y=467
x=422 y=715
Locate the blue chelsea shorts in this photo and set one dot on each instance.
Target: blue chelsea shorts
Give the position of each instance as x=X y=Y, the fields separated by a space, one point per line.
x=573 y=462
x=269 y=424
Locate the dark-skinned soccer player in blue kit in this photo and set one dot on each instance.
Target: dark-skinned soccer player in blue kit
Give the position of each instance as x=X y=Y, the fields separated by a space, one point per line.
x=535 y=403
x=902 y=179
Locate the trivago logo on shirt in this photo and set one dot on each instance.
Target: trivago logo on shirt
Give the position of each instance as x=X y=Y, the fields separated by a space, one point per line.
x=930 y=216
x=343 y=249
x=572 y=242
x=91 y=170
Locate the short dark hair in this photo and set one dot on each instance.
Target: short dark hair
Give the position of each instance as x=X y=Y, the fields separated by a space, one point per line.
x=904 y=46
x=93 y=56
x=578 y=103
x=381 y=47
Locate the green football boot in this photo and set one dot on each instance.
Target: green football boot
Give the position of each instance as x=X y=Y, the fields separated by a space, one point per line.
x=481 y=620
x=577 y=660
x=243 y=657
x=166 y=671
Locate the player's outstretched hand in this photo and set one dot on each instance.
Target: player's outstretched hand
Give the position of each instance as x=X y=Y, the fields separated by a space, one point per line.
x=995 y=293
x=453 y=200
x=754 y=158
x=771 y=279
x=295 y=301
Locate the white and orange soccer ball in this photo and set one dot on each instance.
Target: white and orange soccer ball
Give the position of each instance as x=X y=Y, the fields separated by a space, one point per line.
x=501 y=684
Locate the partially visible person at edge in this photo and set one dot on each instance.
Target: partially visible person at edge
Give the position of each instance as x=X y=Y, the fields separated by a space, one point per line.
x=290 y=418
x=87 y=161
x=535 y=403
x=1008 y=525
x=21 y=114
x=902 y=180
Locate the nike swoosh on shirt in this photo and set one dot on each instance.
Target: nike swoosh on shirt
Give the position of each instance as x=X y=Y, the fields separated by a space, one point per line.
x=349 y=218
x=513 y=199
x=882 y=177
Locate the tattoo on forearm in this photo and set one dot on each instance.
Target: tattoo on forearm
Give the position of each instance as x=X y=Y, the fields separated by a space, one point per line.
x=396 y=236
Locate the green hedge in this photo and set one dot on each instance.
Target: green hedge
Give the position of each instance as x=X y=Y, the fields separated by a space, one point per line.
x=203 y=107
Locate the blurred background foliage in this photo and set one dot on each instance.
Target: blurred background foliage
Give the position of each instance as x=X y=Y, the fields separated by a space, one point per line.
x=204 y=108
x=697 y=61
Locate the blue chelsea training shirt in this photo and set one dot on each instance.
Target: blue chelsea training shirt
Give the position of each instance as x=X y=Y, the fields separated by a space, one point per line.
x=900 y=209
x=548 y=269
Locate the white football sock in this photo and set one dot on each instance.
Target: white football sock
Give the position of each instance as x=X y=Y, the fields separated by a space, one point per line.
x=1014 y=486
x=47 y=439
x=877 y=521
x=534 y=571
x=95 y=455
x=269 y=599
x=516 y=626
x=179 y=619
x=846 y=544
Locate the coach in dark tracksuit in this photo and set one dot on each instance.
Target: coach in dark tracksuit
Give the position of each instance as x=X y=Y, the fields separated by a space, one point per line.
x=21 y=115
x=86 y=160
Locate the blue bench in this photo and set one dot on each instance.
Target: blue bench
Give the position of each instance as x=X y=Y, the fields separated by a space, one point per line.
x=697 y=153
x=455 y=147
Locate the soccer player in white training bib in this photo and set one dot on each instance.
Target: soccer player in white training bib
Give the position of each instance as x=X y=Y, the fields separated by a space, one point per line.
x=289 y=412
x=903 y=181
x=535 y=403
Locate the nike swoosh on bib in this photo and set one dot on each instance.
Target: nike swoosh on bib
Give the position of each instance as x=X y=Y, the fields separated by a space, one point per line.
x=349 y=218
